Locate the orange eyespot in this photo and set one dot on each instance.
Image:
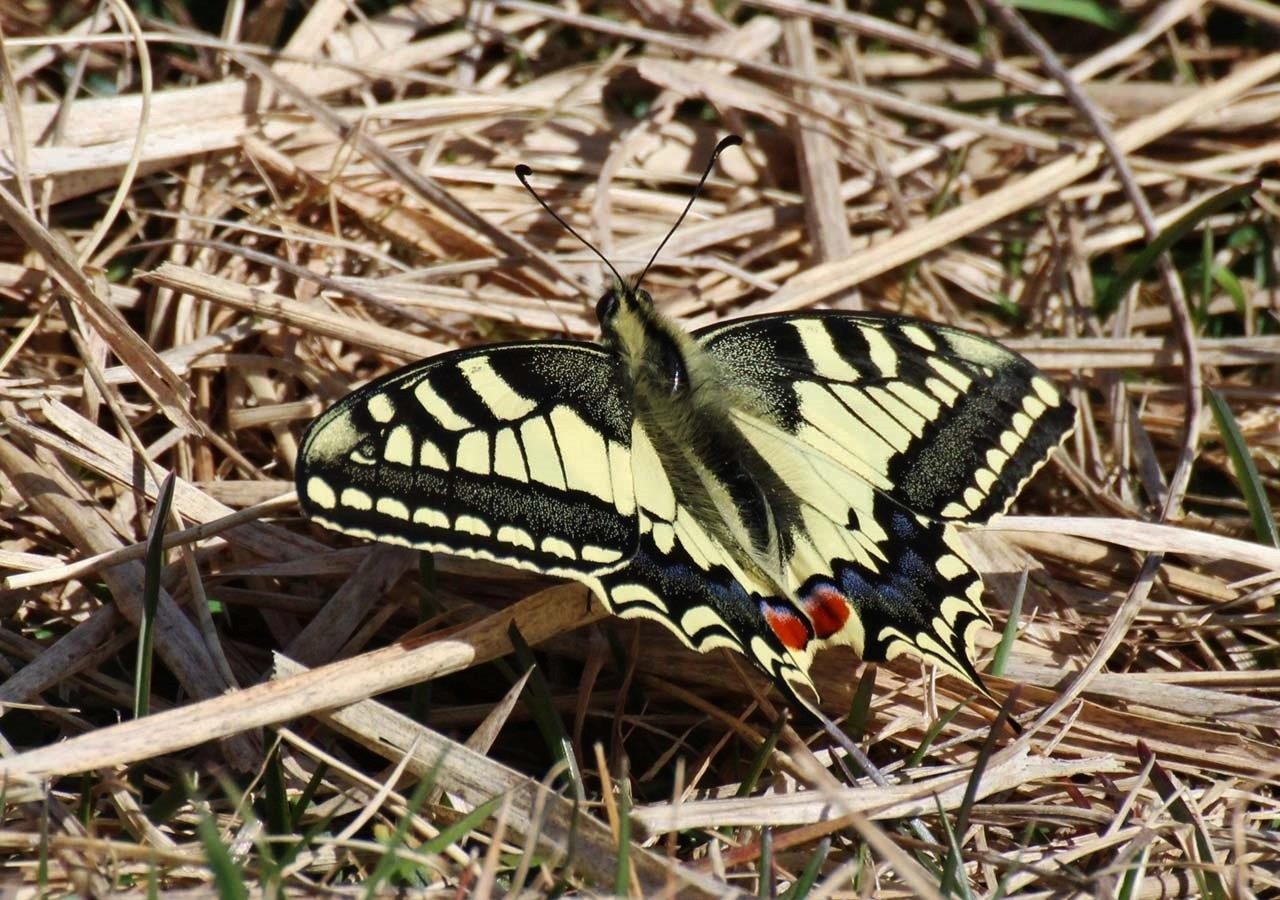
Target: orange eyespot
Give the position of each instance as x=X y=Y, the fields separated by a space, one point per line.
x=827 y=609
x=788 y=626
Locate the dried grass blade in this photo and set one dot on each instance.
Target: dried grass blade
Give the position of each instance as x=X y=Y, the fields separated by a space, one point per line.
x=880 y=803
x=312 y=318
x=1145 y=536
x=540 y=616
x=825 y=281
x=476 y=779
x=157 y=379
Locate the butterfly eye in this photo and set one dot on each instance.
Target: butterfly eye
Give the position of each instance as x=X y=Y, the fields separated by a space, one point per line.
x=607 y=307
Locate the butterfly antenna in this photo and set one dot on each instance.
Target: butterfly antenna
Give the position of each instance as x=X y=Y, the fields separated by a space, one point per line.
x=522 y=173
x=725 y=143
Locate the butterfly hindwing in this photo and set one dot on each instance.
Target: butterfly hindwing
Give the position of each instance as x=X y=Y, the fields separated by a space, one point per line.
x=517 y=453
x=706 y=608
x=863 y=569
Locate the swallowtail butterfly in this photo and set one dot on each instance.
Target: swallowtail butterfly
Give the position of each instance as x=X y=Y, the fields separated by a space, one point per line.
x=772 y=484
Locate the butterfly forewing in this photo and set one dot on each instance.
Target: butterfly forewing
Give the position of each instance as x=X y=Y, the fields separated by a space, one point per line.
x=950 y=424
x=517 y=453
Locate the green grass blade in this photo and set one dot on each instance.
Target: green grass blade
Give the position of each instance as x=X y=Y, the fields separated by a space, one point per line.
x=622 y=876
x=987 y=751
x=545 y=714
x=1226 y=279
x=764 y=887
x=860 y=707
x=1255 y=495
x=1010 y=633
x=1207 y=877
x=1206 y=277
x=276 y=811
x=804 y=883
x=1131 y=884
x=461 y=828
x=84 y=812
x=953 y=868
x=227 y=876
x=1170 y=236
x=42 y=864
x=303 y=802
x=762 y=757
x=151 y=599
x=917 y=756
x=1101 y=14
x=388 y=862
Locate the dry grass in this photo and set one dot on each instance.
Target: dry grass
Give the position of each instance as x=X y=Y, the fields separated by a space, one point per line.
x=208 y=241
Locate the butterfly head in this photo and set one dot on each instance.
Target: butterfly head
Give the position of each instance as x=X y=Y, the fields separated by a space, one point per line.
x=655 y=352
x=659 y=360
x=627 y=318
x=621 y=301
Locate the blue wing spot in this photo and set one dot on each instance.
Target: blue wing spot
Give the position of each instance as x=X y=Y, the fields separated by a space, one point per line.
x=903 y=525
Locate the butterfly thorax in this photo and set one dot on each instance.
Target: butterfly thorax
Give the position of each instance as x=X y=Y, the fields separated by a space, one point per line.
x=683 y=402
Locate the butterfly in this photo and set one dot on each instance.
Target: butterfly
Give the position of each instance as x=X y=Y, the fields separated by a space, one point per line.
x=773 y=484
